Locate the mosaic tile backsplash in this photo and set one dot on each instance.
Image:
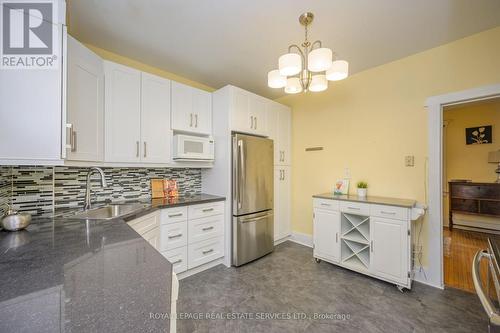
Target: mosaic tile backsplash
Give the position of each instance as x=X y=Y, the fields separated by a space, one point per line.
x=39 y=190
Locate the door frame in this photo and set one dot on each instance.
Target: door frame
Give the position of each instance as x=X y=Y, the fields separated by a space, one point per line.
x=434 y=106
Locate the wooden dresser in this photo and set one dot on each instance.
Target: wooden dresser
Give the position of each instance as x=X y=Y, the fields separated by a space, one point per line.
x=474 y=198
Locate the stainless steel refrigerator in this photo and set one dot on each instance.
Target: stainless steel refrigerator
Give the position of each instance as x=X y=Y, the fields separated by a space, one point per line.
x=252 y=198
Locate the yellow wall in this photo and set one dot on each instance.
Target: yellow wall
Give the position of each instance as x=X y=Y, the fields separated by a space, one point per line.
x=371 y=120
x=107 y=55
x=470 y=161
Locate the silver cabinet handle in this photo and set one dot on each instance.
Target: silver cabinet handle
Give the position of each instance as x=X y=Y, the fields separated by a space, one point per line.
x=207 y=210
x=208 y=251
x=371 y=246
x=388 y=213
x=251 y=122
x=145 y=149
x=325 y=204
x=283 y=160
x=283 y=175
x=191 y=120
x=73 y=148
x=196 y=120
x=354 y=208
x=70 y=145
x=177 y=262
x=207 y=228
x=241 y=149
x=137 y=149
x=175 y=236
x=175 y=215
x=256 y=123
x=337 y=237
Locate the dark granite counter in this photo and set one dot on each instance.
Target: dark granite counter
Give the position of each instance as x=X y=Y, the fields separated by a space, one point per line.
x=406 y=203
x=69 y=275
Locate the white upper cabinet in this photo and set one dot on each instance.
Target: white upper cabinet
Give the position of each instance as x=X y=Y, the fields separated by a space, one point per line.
x=155 y=119
x=249 y=113
x=279 y=129
x=85 y=103
x=191 y=109
x=123 y=113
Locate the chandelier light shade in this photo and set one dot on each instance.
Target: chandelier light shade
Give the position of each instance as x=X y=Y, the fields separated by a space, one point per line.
x=338 y=71
x=320 y=60
x=293 y=85
x=290 y=64
x=275 y=79
x=318 y=83
x=308 y=67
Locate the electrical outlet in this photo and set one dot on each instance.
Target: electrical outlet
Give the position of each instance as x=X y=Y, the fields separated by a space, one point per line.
x=409 y=161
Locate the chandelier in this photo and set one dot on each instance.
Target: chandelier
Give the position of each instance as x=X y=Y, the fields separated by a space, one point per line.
x=307 y=68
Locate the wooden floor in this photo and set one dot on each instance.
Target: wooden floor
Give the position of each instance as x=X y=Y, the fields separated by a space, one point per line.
x=460 y=246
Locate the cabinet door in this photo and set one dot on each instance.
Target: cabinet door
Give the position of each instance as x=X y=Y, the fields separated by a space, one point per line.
x=284 y=135
x=85 y=103
x=155 y=119
x=202 y=110
x=285 y=228
x=277 y=212
x=272 y=128
x=153 y=237
x=389 y=248
x=122 y=113
x=241 y=120
x=182 y=107
x=258 y=110
x=326 y=236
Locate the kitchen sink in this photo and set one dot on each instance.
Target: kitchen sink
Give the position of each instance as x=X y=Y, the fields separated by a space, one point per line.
x=108 y=212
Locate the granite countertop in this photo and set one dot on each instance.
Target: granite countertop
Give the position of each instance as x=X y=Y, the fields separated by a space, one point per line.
x=406 y=203
x=62 y=274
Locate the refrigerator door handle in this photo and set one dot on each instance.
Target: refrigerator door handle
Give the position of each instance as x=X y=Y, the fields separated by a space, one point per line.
x=255 y=219
x=241 y=171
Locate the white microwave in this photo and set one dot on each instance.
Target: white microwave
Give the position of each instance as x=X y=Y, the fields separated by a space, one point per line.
x=189 y=148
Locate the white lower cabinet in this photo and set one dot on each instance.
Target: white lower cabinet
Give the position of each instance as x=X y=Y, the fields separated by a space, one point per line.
x=178 y=259
x=326 y=234
x=192 y=235
x=389 y=239
x=148 y=227
x=205 y=251
x=353 y=235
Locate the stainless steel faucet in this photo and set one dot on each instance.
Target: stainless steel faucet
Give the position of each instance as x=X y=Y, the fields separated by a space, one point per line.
x=87 y=191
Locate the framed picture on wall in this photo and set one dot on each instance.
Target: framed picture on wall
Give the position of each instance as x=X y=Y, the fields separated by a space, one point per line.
x=478 y=135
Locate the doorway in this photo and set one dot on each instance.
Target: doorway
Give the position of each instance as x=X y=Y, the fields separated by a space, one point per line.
x=435 y=106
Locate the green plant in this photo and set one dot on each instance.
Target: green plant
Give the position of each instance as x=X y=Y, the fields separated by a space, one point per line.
x=362 y=185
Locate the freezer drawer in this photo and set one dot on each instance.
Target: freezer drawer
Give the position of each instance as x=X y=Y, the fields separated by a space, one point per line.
x=253 y=237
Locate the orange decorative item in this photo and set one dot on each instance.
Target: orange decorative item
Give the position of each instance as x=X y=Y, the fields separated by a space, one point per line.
x=170 y=188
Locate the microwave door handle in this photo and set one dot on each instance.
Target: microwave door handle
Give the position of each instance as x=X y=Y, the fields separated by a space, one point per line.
x=241 y=170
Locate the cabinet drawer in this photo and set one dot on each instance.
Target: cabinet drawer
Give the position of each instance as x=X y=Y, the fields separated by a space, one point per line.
x=173 y=235
x=178 y=259
x=326 y=204
x=204 y=210
x=391 y=212
x=205 y=251
x=205 y=228
x=146 y=223
x=173 y=215
x=355 y=208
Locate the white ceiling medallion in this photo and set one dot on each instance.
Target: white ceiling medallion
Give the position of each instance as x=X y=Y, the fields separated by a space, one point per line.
x=308 y=68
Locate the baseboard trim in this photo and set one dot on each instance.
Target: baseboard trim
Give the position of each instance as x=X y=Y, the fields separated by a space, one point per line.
x=281 y=240
x=199 y=269
x=302 y=239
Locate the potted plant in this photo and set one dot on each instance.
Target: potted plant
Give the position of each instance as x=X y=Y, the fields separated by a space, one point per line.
x=362 y=186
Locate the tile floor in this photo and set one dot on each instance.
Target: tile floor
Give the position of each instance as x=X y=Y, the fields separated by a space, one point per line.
x=290 y=281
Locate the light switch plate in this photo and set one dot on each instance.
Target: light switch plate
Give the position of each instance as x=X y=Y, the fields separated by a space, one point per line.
x=409 y=161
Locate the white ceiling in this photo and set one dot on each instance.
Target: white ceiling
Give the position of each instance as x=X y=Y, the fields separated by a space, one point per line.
x=219 y=42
